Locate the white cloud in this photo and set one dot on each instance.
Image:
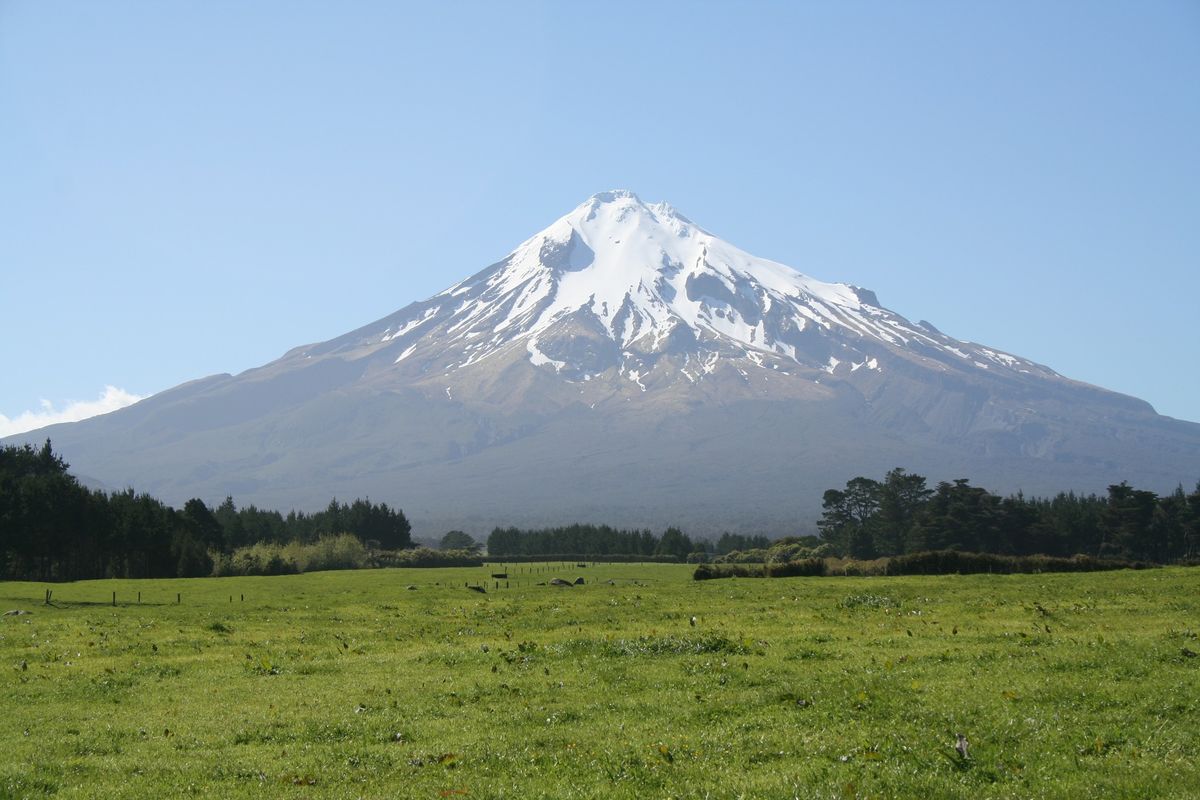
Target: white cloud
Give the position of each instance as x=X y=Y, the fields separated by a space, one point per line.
x=110 y=399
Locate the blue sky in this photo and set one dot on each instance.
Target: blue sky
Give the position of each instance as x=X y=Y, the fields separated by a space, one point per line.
x=195 y=187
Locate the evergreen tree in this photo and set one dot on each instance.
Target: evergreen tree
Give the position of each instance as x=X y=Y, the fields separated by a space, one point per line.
x=674 y=543
x=848 y=520
x=202 y=525
x=1191 y=529
x=1127 y=523
x=900 y=497
x=504 y=542
x=233 y=527
x=958 y=516
x=1169 y=527
x=457 y=540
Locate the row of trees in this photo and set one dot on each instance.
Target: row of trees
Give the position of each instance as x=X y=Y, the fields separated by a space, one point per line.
x=736 y=542
x=376 y=523
x=901 y=514
x=52 y=528
x=588 y=540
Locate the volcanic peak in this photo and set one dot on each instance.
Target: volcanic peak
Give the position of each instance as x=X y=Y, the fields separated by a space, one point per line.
x=640 y=279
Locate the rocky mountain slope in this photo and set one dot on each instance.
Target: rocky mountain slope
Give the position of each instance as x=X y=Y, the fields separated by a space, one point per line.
x=626 y=365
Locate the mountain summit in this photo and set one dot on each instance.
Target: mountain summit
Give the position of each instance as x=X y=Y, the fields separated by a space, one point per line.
x=643 y=277
x=639 y=290
x=626 y=365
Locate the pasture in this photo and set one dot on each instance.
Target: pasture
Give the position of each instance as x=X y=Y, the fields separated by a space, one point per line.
x=352 y=684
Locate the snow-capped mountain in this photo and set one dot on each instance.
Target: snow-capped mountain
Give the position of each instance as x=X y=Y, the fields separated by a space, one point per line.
x=639 y=281
x=626 y=365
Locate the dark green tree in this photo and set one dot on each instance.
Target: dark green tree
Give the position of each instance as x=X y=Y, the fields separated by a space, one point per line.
x=899 y=497
x=958 y=516
x=1127 y=523
x=202 y=525
x=848 y=520
x=674 y=543
x=457 y=540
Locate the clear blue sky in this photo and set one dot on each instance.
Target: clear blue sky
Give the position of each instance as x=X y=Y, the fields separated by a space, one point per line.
x=195 y=187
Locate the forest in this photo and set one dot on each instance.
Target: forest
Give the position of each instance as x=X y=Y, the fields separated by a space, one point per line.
x=902 y=514
x=589 y=540
x=54 y=528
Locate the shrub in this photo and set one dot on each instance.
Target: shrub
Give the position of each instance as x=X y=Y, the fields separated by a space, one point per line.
x=343 y=551
x=851 y=567
x=428 y=557
x=782 y=551
x=946 y=562
x=934 y=562
x=600 y=558
x=753 y=556
x=706 y=572
x=808 y=567
x=785 y=553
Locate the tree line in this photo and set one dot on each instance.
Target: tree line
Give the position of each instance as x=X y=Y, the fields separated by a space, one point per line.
x=902 y=514
x=588 y=540
x=53 y=528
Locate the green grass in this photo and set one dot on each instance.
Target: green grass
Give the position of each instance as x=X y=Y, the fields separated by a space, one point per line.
x=349 y=684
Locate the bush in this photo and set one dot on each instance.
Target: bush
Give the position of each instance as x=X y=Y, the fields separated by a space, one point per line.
x=583 y=558
x=343 y=551
x=850 y=567
x=782 y=551
x=706 y=572
x=808 y=567
x=427 y=557
x=934 y=562
x=752 y=556
x=786 y=553
x=947 y=562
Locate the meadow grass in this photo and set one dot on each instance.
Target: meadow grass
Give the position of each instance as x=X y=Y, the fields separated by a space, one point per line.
x=350 y=684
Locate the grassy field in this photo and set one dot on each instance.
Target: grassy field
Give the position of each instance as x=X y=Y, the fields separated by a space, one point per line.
x=403 y=683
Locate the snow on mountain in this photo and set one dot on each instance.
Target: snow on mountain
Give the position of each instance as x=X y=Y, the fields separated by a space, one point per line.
x=637 y=281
